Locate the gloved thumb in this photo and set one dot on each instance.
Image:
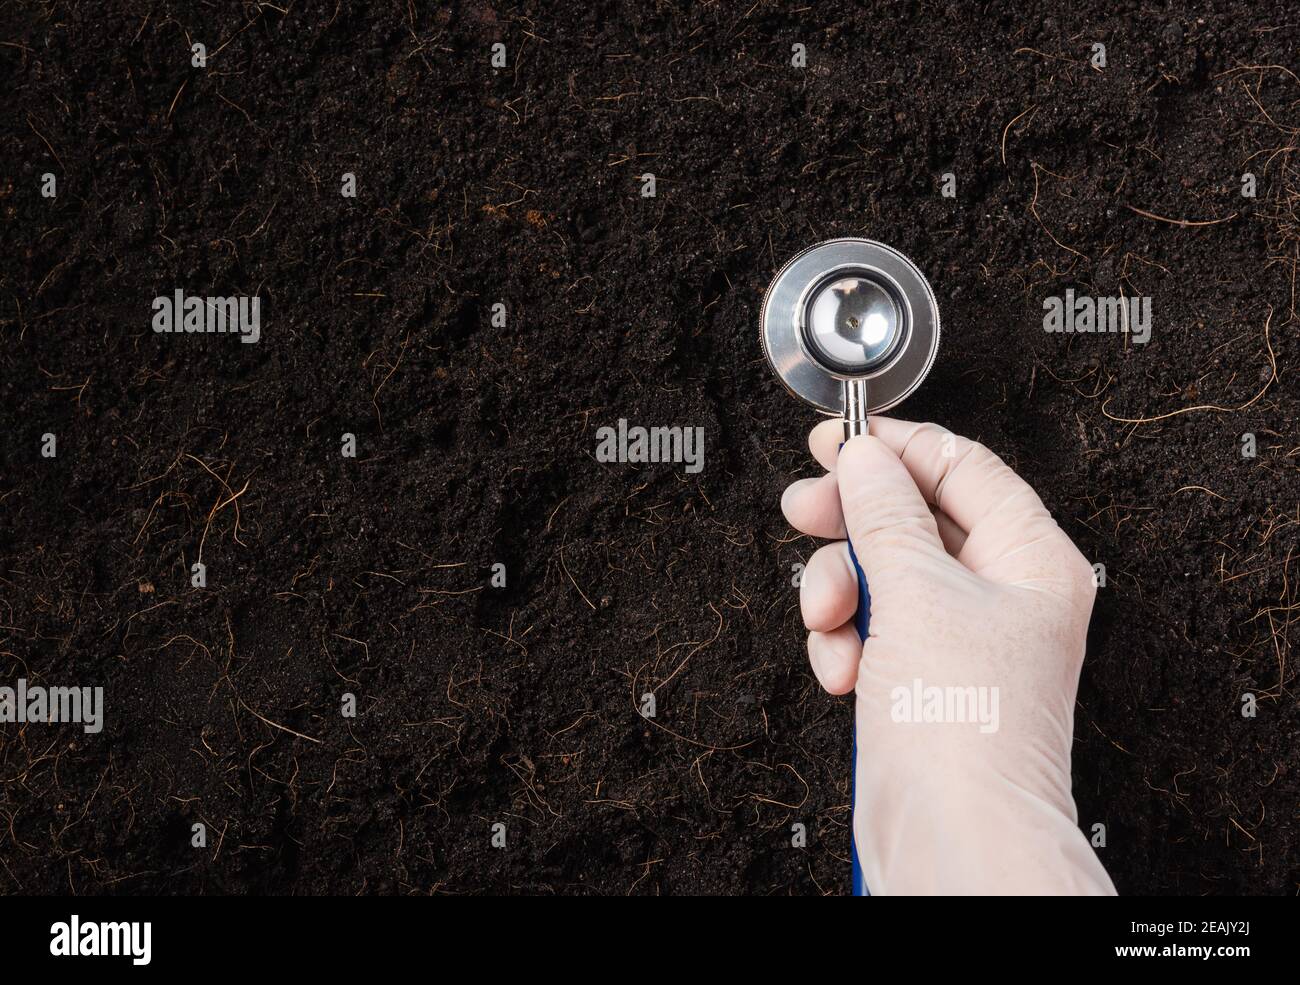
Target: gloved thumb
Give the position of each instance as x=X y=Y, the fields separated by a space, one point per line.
x=888 y=521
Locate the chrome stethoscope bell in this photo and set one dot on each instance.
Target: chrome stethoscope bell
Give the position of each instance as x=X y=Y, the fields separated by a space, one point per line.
x=852 y=327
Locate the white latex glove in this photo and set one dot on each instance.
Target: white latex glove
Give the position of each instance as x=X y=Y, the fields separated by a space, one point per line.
x=973 y=585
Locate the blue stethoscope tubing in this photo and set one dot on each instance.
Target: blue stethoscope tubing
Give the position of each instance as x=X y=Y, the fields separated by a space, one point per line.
x=861 y=620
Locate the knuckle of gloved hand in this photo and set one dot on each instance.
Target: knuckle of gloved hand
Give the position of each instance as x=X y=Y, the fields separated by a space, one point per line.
x=926 y=432
x=1068 y=559
x=1002 y=476
x=1084 y=577
x=976 y=451
x=948 y=444
x=972 y=459
x=1074 y=567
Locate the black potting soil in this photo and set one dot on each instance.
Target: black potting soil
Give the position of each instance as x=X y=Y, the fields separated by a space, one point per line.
x=475 y=426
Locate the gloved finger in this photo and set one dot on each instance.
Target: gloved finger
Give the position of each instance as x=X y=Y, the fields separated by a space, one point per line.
x=812 y=506
x=888 y=520
x=815 y=509
x=1011 y=536
x=828 y=592
x=960 y=476
x=824 y=442
x=835 y=657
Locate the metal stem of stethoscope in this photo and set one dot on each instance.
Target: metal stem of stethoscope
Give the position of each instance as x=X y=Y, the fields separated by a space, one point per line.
x=852 y=327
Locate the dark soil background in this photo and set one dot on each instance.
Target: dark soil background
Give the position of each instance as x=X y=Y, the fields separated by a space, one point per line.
x=476 y=444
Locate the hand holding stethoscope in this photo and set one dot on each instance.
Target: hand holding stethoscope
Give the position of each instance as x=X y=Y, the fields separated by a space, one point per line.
x=978 y=593
x=852 y=327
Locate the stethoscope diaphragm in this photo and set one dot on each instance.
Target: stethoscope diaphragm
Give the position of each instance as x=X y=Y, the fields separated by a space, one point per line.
x=850 y=311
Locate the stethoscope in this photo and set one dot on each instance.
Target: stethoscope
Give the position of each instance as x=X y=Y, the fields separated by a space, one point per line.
x=852 y=327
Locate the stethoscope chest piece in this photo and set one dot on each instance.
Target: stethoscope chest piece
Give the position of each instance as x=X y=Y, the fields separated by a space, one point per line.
x=850 y=314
